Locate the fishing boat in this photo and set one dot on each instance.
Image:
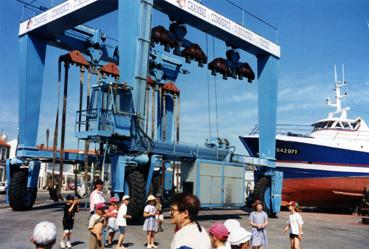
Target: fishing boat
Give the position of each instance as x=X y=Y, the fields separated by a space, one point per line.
x=328 y=167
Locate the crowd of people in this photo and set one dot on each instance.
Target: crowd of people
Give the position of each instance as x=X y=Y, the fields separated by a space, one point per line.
x=106 y=220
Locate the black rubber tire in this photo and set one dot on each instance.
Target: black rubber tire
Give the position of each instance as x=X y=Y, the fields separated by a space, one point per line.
x=21 y=198
x=137 y=191
x=259 y=194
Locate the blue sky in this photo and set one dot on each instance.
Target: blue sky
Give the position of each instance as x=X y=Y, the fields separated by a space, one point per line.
x=313 y=35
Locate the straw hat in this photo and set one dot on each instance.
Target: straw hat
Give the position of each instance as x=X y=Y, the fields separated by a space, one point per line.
x=151 y=198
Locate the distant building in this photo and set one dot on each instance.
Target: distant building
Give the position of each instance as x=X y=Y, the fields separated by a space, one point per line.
x=45 y=169
x=4 y=154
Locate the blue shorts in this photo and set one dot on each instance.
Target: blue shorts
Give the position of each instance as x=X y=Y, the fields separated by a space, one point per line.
x=122 y=229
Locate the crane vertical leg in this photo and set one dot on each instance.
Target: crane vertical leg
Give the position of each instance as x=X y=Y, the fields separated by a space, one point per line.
x=134 y=42
x=267 y=90
x=169 y=106
x=32 y=60
x=268 y=187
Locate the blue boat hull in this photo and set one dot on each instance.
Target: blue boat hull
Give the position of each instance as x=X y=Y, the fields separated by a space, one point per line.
x=318 y=175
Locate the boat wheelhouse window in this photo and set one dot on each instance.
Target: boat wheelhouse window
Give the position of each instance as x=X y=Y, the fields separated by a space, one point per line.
x=346 y=125
x=353 y=124
x=338 y=125
x=329 y=124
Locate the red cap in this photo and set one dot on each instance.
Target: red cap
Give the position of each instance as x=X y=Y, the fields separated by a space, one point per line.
x=100 y=206
x=294 y=204
x=114 y=199
x=219 y=231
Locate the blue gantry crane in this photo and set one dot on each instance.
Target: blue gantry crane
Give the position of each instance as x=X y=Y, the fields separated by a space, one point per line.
x=119 y=114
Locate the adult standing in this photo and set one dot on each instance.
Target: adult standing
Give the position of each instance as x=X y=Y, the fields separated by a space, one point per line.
x=184 y=210
x=96 y=195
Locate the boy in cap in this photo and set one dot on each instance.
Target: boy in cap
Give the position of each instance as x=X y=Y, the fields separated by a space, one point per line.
x=70 y=208
x=44 y=235
x=218 y=235
x=95 y=226
x=122 y=220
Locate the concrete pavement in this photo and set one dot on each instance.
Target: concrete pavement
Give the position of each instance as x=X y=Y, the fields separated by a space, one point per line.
x=328 y=231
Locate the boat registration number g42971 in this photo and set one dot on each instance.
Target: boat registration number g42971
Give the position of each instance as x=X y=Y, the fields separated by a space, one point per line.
x=287 y=151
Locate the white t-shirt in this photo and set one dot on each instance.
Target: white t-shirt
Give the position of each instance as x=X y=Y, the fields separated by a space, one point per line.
x=96 y=197
x=191 y=237
x=295 y=220
x=121 y=221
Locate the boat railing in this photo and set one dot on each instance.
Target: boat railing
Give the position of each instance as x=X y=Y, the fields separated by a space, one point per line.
x=305 y=131
x=287 y=129
x=362 y=136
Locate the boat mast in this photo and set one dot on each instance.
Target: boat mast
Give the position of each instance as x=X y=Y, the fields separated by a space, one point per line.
x=338 y=96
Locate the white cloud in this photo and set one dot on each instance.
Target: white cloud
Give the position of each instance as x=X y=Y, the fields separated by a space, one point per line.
x=248 y=96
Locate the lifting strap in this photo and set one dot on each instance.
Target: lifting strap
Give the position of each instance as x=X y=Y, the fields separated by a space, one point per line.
x=87 y=143
x=64 y=118
x=177 y=118
x=147 y=96
x=153 y=104
x=56 y=127
x=208 y=81
x=216 y=93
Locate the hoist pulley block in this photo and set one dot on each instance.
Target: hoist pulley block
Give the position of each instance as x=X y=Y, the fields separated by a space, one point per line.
x=75 y=57
x=194 y=52
x=171 y=87
x=110 y=69
x=245 y=71
x=220 y=65
x=164 y=37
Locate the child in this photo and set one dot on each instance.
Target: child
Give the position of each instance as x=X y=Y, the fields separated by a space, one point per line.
x=159 y=215
x=294 y=224
x=70 y=208
x=218 y=235
x=239 y=238
x=258 y=221
x=112 y=216
x=122 y=220
x=95 y=226
x=150 y=224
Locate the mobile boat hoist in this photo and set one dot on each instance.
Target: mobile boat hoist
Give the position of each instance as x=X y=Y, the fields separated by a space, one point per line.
x=135 y=136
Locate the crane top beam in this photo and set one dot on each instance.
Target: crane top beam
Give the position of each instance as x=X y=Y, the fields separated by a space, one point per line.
x=71 y=13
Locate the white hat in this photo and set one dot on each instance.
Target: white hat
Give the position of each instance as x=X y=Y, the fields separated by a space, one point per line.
x=232 y=224
x=126 y=197
x=239 y=236
x=44 y=233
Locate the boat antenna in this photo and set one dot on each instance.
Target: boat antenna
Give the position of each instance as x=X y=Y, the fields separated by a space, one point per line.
x=343 y=74
x=337 y=89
